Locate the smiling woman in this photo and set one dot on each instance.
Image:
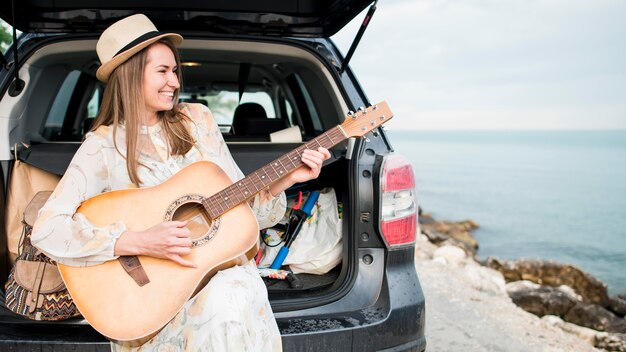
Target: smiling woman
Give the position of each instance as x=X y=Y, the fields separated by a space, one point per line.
x=161 y=80
x=149 y=105
x=142 y=138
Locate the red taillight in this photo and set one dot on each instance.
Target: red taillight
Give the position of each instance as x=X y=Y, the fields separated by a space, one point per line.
x=398 y=174
x=399 y=231
x=398 y=209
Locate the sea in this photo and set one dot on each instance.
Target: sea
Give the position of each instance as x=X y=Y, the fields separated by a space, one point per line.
x=558 y=195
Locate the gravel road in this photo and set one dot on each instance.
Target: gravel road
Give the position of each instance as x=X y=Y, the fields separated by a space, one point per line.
x=464 y=312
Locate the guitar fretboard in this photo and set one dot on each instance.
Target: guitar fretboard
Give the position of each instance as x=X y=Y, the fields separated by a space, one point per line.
x=260 y=179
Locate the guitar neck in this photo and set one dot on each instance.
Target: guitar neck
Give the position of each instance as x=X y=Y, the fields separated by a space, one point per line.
x=248 y=187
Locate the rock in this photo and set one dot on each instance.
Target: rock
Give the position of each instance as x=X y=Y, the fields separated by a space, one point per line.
x=553 y=320
x=423 y=248
x=441 y=261
x=473 y=224
x=554 y=274
x=604 y=340
x=435 y=236
x=453 y=255
x=459 y=231
x=595 y=317
x=617 y=304
x=520 y=285
x=611 y=342
x=585 y=334
x=485 y=279
x=570 y=291
x=456 y=243
x=425 y=218
x=545 y=300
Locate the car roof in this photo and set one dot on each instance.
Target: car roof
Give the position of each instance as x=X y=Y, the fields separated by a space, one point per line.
x=293 y=18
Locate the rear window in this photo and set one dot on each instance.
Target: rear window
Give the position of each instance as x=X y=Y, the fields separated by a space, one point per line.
x=223 y=104
x=73 y=109
x=6 y=36
x=276 y=97
x=58 y=111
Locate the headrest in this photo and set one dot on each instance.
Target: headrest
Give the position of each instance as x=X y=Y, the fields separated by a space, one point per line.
x=247 y=110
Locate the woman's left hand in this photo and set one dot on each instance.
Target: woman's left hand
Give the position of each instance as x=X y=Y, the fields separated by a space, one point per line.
x=313 y=160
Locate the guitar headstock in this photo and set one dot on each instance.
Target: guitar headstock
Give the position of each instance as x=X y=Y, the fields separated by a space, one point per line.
x=358 y=124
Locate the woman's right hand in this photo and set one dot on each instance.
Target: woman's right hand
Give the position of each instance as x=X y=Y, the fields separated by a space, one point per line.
x=168 y=240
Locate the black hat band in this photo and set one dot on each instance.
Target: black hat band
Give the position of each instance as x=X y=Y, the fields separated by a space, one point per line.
x=140 y=39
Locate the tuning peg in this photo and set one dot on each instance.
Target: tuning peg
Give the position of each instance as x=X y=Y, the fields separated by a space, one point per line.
x=367 y=140
x=375 y=134
x=384 y=128
x=362 y=109
x=375 y=107
x=351 y=114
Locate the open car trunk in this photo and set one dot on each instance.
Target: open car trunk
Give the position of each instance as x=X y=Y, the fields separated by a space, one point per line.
x=294 y=86
x=54 y=157
x=333 y=180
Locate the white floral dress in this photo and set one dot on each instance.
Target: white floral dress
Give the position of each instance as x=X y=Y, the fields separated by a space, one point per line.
x=232 y=313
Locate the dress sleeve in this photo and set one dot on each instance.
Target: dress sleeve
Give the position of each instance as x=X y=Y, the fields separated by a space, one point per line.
x=65 y=236
x=267 y=208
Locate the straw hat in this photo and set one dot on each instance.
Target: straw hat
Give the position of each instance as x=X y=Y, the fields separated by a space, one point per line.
x=124 y=39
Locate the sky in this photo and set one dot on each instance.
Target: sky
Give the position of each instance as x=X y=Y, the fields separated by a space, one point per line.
x=495 y=65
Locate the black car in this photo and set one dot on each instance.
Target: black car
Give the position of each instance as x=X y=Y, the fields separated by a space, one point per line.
x=274 y=55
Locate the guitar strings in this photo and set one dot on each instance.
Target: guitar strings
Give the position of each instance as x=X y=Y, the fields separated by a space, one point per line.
x=334 y=132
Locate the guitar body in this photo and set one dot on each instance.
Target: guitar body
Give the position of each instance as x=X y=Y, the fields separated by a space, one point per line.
x=110 y=299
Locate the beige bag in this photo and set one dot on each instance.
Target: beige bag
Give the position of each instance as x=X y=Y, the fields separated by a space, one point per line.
x=25 y=182
x=318 y=247
x=35 y=288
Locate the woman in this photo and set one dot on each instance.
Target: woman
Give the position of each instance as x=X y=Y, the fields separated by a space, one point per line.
x=140 y=138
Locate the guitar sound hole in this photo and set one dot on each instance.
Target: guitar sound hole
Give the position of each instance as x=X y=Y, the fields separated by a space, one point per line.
x=199 y=222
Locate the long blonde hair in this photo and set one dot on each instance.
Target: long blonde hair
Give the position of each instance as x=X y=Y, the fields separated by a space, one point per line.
x=123 y=103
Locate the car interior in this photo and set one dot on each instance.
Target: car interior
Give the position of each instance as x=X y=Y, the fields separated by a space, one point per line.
x=254 y=89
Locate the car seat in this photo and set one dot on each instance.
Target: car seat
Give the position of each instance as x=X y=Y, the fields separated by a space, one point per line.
x=250 y=119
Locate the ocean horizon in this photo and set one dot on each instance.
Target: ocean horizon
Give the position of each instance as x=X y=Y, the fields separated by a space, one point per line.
x=554 y=195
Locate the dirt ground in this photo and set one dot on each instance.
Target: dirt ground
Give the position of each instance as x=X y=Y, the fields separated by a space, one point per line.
x=462 y=316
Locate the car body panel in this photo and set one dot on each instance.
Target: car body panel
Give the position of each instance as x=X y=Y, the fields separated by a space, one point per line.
x=307 y=18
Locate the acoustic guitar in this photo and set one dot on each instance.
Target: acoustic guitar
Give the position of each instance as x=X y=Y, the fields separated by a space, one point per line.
x=131 y=299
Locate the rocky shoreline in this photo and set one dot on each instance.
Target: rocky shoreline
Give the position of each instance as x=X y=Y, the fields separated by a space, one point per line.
x=562 y=295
